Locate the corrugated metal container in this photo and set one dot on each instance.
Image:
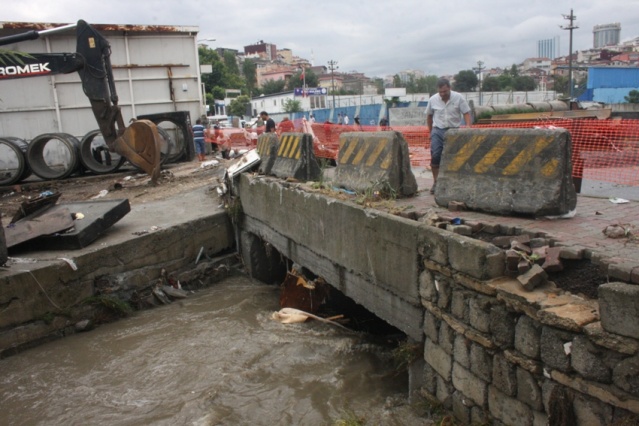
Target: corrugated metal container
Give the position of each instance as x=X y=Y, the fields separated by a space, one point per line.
x=609 y=77
x=156 y=69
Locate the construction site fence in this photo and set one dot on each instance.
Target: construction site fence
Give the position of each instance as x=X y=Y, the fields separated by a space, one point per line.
x=603 y=150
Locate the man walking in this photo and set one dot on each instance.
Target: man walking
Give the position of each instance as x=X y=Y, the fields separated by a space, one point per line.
x=445 y=111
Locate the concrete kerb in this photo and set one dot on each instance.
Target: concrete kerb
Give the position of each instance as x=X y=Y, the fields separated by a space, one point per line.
x=506 y=171
x=372 y=160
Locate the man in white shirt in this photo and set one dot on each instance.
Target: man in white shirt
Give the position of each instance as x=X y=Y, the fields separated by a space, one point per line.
x=445 y=111
x=345 y=120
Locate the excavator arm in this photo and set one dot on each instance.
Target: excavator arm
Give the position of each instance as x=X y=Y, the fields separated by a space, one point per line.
x=140 y=141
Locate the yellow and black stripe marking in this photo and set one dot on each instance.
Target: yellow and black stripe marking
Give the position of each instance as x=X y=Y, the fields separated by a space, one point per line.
x=500 y=154
x=290 y=147
x=265 y=144
x=368 y=151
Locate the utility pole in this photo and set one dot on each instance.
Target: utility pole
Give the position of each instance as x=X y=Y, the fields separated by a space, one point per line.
x=332 y=65
x=572 y=26
x=478 y=70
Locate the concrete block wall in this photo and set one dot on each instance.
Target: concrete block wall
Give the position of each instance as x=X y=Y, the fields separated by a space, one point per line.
x=494 y=352
x=43 y=300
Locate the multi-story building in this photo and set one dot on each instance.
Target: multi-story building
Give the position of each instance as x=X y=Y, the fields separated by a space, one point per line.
x=606 y=35
x=263 y=50
x=548 y=48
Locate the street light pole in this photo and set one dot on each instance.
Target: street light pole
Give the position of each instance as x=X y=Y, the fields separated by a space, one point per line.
x=570 y=27
x=478 y=70
x=332 y=65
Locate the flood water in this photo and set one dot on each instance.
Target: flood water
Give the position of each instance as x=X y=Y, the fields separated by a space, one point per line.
x=214 y=358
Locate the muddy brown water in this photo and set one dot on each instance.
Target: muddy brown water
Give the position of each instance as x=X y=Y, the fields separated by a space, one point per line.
x=214 y=358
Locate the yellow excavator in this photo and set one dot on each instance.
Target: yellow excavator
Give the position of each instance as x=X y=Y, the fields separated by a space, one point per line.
x=140 y=141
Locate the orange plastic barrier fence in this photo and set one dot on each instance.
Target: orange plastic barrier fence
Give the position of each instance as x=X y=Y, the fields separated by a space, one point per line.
x=604 y=150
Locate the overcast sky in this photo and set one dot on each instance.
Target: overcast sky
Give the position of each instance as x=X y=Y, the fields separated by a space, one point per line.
x=375 y=37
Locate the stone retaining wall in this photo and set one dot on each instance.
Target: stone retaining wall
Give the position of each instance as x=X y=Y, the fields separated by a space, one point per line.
x=492 y=350
x=495 y=351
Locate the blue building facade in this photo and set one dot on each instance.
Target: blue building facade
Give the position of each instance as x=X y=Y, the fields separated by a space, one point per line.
x=610 y=85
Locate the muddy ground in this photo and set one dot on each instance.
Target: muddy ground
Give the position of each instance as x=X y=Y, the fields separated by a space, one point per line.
x=127 y=182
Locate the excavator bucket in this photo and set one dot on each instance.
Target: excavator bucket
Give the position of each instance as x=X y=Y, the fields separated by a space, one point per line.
x=140 y=144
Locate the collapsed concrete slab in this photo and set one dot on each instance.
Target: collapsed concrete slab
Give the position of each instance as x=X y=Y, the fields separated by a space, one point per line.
x=508 y=171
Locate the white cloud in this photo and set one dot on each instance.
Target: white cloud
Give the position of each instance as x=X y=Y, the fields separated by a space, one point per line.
x=372 y=36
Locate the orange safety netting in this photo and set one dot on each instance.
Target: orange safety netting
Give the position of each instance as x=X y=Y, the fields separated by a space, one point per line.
x=605 y=150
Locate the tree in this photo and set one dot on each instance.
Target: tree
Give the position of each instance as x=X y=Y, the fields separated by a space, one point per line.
x=561 y=84
x=249 y=70
x=239 y=105
x=633 y=97
x=490 y=84
x=379 y=85
x=296 y=80
x=273 y=86
x=427 y=84
x=397 y=82
x=524 y=83
x=291 y=105
x=465 y=81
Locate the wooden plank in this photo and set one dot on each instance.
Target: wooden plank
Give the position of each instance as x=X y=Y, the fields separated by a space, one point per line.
x=42 y=223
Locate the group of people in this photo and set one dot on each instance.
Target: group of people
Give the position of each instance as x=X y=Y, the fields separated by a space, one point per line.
x=216 y=135
x=446 y=110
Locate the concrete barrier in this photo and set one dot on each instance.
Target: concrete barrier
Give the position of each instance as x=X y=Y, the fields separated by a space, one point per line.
x=267 y=146
x=374 y=159
x=295 y=158
x=504 y=171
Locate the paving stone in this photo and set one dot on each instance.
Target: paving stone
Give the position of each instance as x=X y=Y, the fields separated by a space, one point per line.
x=507 y=409
x=445 y=392
x=504 y=377
x=572 y=253
x=590 y=411
x=555 y=348
x=461 y=411
x=534 y=278
x=431 y=326
x=528 y=390
x=469 y=384
x=479 y=313
x=552 y=261
x=437 y=358
x=481 y=362
x=502 y=326
x=461 y=351
x=446 y=337
x=459 y=305
x=427 y=287
x=588 y=360
x=626 y=375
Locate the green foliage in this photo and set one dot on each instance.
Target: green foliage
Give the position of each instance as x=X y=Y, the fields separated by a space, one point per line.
x=349 y=418
x=273 y=86
x=405 y=354
x=465 y=81
x=291 y=105
x=487 y=115
x=633 y=97
x=296 y=80
x=379 y=84
x=524 y=83
x=239 y=105
x=113 y=304
x=13 y=57
x=249 y=70
x=490 y=84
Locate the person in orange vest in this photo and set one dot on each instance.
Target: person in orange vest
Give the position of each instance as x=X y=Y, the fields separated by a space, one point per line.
x=285 y=126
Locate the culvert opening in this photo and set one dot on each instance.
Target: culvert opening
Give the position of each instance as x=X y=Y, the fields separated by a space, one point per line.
x=302 y=289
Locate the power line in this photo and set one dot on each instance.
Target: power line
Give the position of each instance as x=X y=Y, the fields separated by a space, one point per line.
x=572 y=26
x=332 y=65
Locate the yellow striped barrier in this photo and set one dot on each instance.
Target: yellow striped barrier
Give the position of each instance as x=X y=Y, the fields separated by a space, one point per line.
x=374 y=160
x=295 y=158
x=523 y=171
x=267 y=146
